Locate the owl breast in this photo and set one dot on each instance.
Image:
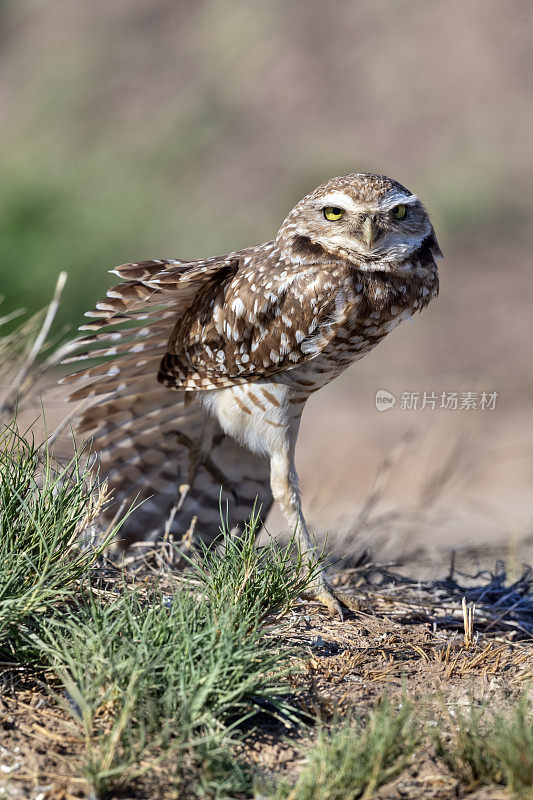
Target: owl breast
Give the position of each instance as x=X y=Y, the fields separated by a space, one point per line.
x=374 y=306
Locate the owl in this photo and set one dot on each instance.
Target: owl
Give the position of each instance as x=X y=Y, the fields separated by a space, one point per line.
x=200 y=370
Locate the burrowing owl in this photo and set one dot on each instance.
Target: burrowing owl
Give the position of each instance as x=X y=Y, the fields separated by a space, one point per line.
x=243 y=340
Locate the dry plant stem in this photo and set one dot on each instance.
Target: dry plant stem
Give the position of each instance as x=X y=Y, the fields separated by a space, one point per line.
x=10 y=402
x=435 y=484
x=13 y=315
x=97 y=502
x=468 y=621
x=440 y=602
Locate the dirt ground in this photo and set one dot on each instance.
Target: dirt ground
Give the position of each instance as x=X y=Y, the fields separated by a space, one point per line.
x=407 y=641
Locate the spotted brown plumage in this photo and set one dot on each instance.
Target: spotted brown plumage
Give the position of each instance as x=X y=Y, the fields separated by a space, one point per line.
x=243 y=340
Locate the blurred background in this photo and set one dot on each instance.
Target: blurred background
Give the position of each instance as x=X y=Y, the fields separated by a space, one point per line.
x=134 y=129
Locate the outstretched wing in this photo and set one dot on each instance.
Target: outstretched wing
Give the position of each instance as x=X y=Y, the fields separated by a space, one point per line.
x=148 y=437
x=142 y=313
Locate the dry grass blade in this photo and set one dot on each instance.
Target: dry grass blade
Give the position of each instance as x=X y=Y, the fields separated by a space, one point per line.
x=32 y=337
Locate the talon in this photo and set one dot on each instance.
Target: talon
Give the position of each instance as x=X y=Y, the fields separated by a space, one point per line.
x=348 y=601
x=328 y=599
x=333 y=600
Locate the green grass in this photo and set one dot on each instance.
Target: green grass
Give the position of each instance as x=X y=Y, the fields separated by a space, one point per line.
x=43 y=510
x=256 y=582
x=352 y=760
x=491 y=748
x=148 y=674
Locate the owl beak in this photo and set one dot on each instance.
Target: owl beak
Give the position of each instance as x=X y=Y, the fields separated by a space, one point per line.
x=369 y=231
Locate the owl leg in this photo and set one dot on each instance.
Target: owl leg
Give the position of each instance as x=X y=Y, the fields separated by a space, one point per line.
x=285 y=490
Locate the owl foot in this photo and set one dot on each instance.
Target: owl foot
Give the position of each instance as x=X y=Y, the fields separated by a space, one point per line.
x=334 y=600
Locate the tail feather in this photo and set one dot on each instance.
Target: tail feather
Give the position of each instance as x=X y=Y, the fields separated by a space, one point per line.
x=152 y=440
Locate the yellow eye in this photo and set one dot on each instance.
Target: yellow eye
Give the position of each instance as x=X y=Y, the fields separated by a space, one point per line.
x=333 y=213
x=399 y=212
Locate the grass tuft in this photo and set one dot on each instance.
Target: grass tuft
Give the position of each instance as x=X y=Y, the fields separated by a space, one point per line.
x=353 y=760
x=144 y=673
x=42 y=506
x=143 y=676
x=221 y=776
x=488 y=748
x=258 y=582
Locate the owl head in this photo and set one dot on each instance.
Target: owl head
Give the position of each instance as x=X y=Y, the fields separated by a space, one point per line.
x=369 y=220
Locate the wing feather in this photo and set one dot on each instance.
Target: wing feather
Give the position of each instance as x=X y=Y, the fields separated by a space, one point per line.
x=143 y=433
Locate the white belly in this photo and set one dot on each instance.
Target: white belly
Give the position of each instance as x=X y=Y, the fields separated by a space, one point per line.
x=257 y=415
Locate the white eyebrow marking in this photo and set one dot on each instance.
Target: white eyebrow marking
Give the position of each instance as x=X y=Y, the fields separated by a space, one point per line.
x=398 y=198
x=346 y=202
x=338 y=199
